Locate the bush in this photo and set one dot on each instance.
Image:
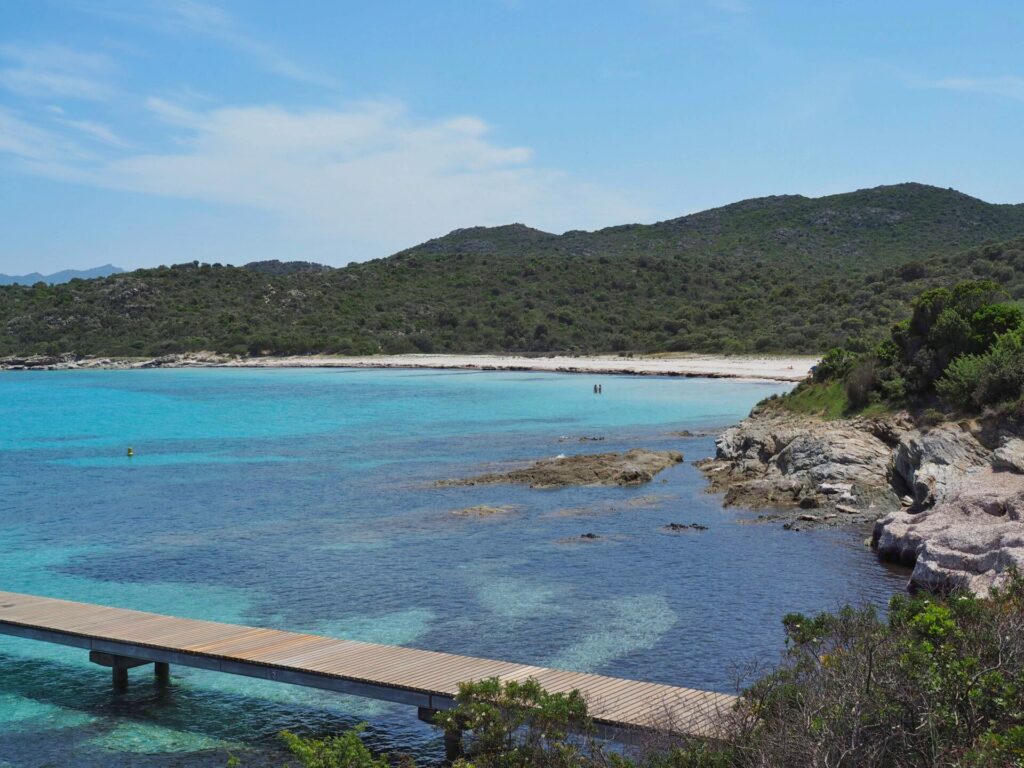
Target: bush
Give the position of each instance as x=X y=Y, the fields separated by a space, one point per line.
x=995 y=377
x=836 y=363
x=344 y=751
x=940 y=684
x=517 y=723
x=960 y=343
x=861 y=382
x=961 y=380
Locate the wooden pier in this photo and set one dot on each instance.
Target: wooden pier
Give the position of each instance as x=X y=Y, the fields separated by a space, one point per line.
x=122 y=639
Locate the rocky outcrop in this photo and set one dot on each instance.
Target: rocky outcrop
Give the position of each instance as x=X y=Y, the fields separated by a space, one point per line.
x=1009 y=457
x=808 y=470
x=186 y=360
x=633 y=467
x=946 y=499
x=969 y=540
x=928 y=463
x=36 y=362
x=71 y=362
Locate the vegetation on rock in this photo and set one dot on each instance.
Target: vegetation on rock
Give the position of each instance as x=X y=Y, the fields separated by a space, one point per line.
x=778 y=274
x=961 y=349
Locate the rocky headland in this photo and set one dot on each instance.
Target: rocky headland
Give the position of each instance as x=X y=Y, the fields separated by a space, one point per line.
x=71 y=362
x=946 y=499
x=634 y=467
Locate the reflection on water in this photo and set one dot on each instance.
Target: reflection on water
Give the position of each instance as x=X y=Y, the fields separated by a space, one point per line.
x=305 y=500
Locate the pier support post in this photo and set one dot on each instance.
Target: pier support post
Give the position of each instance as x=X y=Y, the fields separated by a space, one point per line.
x=162 y=672
x=119 y=666
x=452 y=739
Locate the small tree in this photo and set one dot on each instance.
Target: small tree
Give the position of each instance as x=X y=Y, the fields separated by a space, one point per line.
x=344 y=751
x=517 y=724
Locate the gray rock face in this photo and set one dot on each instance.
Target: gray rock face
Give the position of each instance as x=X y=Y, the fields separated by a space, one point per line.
x=774 y=459
x=68 y=362
x=1009 y=456
x=941 y=500
x=633 y=467
x=927 y=463
x=968 y=541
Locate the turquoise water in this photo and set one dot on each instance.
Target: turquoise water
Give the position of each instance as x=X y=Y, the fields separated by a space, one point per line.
x=305 y=500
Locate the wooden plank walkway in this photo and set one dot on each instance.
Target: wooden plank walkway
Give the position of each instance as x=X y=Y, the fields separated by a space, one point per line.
x=427 y=679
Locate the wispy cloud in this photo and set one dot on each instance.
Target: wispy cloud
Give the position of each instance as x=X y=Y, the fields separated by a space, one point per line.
x=97 y=132
x=370 y=173
x=50 y=71
x=34 y=144
x=1007 y=86
x=194 y=18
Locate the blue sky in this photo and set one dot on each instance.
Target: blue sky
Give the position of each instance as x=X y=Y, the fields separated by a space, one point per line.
x=142 y=132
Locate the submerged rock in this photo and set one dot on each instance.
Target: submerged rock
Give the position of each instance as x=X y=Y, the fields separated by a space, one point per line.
x=481 y=511
x=680 y=527
x=583 y=538
x=633 y=467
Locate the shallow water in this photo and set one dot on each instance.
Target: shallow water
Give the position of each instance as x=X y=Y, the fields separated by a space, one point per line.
x=304 y=500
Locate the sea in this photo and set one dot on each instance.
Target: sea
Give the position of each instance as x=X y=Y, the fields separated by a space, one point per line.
x=308 y=500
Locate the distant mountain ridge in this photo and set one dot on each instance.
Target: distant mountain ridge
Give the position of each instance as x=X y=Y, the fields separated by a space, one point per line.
x=775 y=274
x=60 y=277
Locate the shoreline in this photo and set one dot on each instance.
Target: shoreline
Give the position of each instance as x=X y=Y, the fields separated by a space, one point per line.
x=946 y=499
x=788 y=369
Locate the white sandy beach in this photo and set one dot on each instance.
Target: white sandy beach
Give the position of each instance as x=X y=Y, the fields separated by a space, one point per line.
x=789 y=368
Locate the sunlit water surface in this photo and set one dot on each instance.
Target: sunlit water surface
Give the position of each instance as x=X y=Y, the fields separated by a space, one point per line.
x=305 y=500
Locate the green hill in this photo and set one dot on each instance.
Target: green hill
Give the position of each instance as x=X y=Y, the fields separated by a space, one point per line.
x=785 y=273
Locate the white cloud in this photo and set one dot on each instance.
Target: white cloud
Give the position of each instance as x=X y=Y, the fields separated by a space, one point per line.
x=96 y=132
x=370 y=178
x=1007 y=86
x=54 y=71
x=34 y=144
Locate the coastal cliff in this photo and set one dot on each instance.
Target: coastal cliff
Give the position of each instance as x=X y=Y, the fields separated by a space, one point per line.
x=947 y=499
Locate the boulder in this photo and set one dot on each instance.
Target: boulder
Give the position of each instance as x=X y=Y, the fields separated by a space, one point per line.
x=1009 y=457
x=969 y=540
x=926 y=463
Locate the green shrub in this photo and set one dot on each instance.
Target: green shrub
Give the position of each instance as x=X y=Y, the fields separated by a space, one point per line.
x=861 y=382
x=997 y=376
x=834 y=365
x=344 y=751
x=517 y=724
x=961 y=380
